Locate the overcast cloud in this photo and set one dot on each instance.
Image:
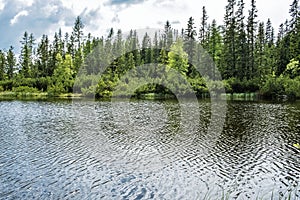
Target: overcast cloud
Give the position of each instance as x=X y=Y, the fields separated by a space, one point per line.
x=46 y=17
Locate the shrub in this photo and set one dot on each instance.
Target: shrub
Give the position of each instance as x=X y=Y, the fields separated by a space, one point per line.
x=30 y=82
x=56 y=89
x=292 y=87
x=274 y=86
x=25 y=89
x=42 y=83
x=6 y=85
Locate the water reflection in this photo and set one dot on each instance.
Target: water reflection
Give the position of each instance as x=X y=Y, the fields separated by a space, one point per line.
x=62 y=150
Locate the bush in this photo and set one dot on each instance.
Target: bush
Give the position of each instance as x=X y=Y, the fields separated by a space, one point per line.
x=30 y=82
x=42 y=83
x=251 y=85
x=282 y=85
x=55 y=90
x=25 y=89
x=234 y=85
x=6 y=85
x=292 y=87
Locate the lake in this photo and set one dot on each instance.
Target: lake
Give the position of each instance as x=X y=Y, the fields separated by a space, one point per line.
x=85 y=149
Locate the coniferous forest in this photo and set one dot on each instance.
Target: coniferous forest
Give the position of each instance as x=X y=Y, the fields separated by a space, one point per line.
x=249 y=54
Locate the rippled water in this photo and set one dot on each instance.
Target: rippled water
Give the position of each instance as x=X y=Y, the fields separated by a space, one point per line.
x=91 y=150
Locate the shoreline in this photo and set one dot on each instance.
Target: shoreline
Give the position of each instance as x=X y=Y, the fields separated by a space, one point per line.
x=9 y=95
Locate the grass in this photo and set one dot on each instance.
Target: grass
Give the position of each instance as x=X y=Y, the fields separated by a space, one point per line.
x=9 y=95
x=240 y=96
x=23 y=95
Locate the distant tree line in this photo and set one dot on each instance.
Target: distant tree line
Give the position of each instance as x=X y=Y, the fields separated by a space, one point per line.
x=247 y=52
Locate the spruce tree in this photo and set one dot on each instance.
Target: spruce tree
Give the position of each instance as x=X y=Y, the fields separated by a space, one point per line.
x=229 y=55
x=295 y=30
x=167 y=36
x=43 y=57
x=260 y=52
x=11 y=63
x=203 y=28
x=269 y=48
x=78 y=32
x=190 y=44
x=26 y=54
x=2 y=65
x=215 y=46
x=251 y=36
x=241 y=42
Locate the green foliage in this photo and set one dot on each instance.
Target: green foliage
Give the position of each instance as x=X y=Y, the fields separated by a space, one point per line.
x=42 y=83
x=25 y=89
x=292 y=69
x=292 y=87
x=245 y=52
x=2 y=65
x=178 y=59
x=105 y=86
x=20 y=81
x=282 y=85
x=63 y=75
x=234 y=85
x=273 y=86
x=6 y=85
x=199 y=86
x=57 y=89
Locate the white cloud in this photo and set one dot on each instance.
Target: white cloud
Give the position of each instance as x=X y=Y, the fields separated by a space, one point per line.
x=26 y=3
x=277 y=11
x=101 y=16
x=78 y=6
x=17 y=16
x=2 y=4
x=46 y=17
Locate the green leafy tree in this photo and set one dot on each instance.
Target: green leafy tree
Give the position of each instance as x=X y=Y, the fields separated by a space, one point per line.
x=178 y=58
x=63 y=75
x=293 y=69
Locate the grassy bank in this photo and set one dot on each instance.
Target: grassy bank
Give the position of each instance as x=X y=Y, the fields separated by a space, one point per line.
x=9 y=95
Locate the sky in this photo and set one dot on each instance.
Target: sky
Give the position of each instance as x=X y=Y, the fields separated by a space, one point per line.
x=46 y=17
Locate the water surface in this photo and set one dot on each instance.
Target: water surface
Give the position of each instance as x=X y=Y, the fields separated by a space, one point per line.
x=81 y=150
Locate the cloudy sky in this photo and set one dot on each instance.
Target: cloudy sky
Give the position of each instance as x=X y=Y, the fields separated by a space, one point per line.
x=46 y=17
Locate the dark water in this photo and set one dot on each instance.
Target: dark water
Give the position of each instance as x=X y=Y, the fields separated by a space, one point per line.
x=91 y=150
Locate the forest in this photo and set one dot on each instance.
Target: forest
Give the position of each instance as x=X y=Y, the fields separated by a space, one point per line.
x=250 y=56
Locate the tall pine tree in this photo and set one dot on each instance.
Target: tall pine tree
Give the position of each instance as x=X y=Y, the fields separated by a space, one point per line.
x=229 y=56
x=251 y=35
